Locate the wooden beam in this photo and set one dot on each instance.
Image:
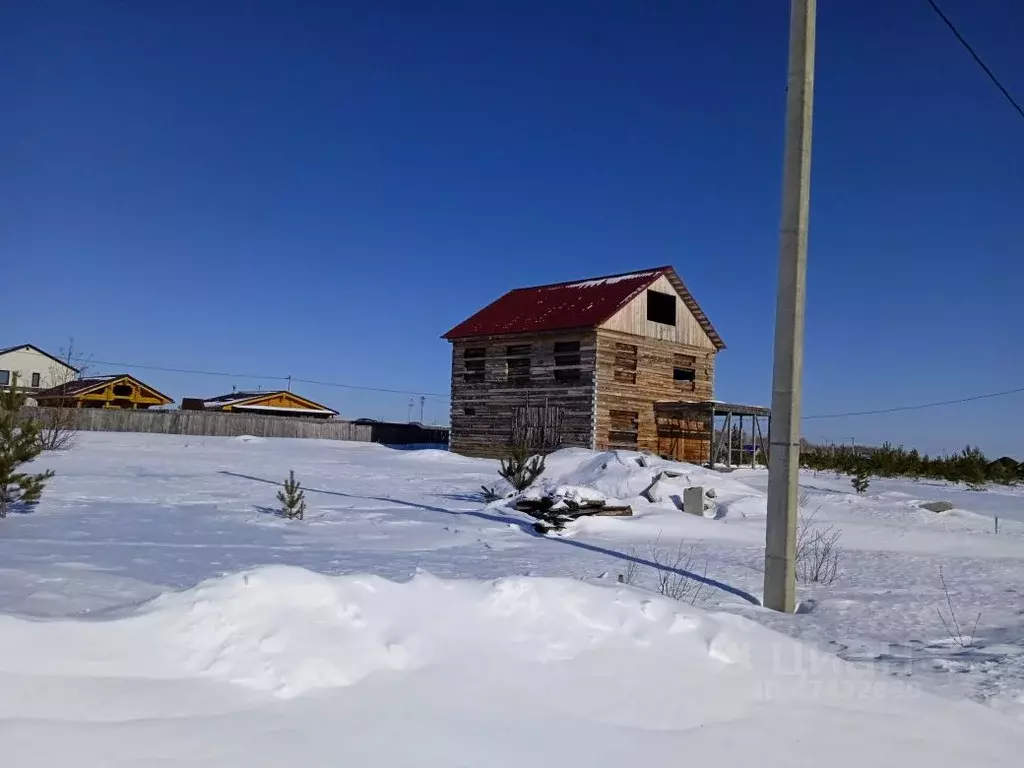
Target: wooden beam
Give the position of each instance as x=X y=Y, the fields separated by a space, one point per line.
x=740 y=462
x=728 y=428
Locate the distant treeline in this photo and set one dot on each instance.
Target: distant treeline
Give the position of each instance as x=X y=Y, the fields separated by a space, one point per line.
x=969 y=466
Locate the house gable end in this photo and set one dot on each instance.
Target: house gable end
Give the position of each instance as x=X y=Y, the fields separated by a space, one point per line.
x=105 y=389
x=32 y=348
x=688 y=328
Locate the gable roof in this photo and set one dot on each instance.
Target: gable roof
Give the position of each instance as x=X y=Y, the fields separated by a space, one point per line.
x=43 y=352
x=80 y=387
x=76 y=387
x=250 y=400
x=575 y=304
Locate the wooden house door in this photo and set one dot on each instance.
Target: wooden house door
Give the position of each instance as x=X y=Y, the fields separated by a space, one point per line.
x=537 y=427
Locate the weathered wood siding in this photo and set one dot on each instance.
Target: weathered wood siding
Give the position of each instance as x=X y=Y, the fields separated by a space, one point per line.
x=497 y=399
x=625 y=388
x=632 y=319
x=209 y=423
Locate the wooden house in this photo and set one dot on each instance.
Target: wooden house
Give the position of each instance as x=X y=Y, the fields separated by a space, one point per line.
x=118 y=391
x=585 y=363
x=272 y=403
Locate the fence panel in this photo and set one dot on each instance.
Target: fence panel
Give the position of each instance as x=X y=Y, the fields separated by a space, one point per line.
x=207 y=423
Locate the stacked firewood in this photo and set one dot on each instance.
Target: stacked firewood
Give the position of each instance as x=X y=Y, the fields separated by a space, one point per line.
x=553 y=510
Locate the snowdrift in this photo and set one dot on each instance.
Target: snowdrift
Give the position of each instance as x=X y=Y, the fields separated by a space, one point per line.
x=357 y=670
x=287 y=631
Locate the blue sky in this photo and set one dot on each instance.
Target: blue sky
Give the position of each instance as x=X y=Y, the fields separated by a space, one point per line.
x=323 y=189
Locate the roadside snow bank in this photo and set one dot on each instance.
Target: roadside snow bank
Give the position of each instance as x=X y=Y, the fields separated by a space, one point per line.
x=286 y=630
x=437 y=673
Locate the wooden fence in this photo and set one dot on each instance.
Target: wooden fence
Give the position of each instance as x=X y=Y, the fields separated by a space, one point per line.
x=208 y=423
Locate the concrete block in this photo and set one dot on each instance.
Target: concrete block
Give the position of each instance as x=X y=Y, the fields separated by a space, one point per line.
x=693 y=500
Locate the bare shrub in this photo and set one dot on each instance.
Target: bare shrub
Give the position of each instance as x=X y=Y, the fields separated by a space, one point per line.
x=631 y=575
x=56 y=429
x=950 y=621
x=676 y=573
x=57 y=425
x=817 y=551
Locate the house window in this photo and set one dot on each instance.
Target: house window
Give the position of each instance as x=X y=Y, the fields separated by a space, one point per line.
x=661 y=308
x=625 y=426
x=517 y=364
x=122 y=390
x=35 y=380
x=625 y=363
x=469 y=411
x=5 y=378
x=567 y=361
x=567 y=353
x=684 y=372
x=475 y=363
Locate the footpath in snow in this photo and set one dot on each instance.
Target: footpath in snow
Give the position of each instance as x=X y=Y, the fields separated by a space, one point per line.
x=153 y=609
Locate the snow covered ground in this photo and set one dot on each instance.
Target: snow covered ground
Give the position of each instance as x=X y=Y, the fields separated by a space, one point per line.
x=154 y=609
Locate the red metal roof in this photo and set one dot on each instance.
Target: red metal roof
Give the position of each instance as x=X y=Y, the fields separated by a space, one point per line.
x=577 y=304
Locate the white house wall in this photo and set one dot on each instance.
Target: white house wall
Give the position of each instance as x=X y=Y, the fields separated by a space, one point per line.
x=25 y=362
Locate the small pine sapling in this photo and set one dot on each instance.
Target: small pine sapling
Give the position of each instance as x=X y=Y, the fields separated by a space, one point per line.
x=490 y=493
x=292 y=498
x=861 y=477
x=19 y=444
x=520 y=469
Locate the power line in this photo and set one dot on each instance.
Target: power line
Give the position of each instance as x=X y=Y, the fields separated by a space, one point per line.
x=371 y=389
x=112 y=364
x=341 y=385
x=917 y=407
x=977 y=58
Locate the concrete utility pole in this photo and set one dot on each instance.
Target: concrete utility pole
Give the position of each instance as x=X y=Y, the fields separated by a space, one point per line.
x=784 y=456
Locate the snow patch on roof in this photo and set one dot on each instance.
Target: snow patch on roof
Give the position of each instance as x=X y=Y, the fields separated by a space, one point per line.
x=223 y=403
x=605 y=280
x=282 y=408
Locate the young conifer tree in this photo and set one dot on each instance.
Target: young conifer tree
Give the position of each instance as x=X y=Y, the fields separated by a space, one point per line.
x=19 y=444
x=861 y=476
x=292 y=498
x=520 y=469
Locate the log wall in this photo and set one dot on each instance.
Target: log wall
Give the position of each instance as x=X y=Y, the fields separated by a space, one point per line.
x=506 y=388
x=626 y=392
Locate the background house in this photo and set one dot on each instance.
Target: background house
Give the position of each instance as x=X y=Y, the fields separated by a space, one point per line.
x=33 y=368
x=584 y=364
x=121 y=390
x=273 y=403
